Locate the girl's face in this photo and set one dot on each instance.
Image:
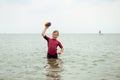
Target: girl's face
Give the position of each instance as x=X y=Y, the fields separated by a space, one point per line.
x=55 y=35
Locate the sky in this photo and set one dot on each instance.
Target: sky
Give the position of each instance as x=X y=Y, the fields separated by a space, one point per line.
x=67 y=16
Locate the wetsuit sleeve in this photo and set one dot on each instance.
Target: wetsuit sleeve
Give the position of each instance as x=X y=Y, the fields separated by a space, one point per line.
x=46 y=37
x=60 y=45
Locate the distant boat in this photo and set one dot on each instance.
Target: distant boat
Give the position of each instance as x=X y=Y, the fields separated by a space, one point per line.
x=100 y=33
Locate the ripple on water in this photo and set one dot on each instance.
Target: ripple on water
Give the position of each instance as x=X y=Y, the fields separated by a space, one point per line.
x=117 y=76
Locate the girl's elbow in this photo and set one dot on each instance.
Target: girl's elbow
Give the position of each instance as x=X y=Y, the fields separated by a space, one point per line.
x=42 y=34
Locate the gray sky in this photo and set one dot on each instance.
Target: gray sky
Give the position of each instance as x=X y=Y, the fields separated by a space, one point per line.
x=68 y=16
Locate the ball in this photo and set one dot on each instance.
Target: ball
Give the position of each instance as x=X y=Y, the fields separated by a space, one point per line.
x=48 y=24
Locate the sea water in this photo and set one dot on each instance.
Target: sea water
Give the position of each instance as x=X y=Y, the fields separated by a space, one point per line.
x=86 y=57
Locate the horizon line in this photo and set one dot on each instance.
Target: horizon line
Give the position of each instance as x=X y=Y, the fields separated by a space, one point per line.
x=66 y=33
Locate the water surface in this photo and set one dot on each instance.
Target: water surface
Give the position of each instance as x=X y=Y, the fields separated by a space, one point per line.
x=86 y=57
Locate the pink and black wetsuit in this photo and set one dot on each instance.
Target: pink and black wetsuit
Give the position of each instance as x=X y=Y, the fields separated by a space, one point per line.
x=52 y=47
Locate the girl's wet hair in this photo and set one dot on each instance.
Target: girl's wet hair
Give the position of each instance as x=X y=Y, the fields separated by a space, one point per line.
x=56 y=31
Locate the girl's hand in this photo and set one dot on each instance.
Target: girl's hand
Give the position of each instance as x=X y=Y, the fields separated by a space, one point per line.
x=46 y=27
x=59 y=53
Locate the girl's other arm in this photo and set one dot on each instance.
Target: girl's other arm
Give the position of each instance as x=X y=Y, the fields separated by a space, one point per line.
x=61 y=51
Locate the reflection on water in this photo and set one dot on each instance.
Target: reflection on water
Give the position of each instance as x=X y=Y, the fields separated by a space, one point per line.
x=54 y=68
